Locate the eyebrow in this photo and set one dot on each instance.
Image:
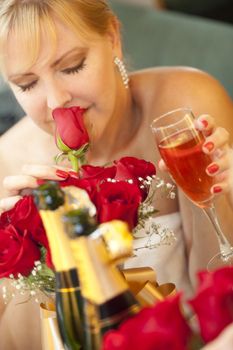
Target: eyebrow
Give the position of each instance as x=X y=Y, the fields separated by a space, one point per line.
x=53 y=65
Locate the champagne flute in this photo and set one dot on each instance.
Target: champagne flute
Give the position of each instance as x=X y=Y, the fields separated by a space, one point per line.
x=180 y=146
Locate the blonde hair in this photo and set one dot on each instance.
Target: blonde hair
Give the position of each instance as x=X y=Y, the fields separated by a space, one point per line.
x=28 y=19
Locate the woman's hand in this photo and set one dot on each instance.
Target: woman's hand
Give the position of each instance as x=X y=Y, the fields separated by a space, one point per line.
x=223 y=342
x=217 y=146
x=19 y=185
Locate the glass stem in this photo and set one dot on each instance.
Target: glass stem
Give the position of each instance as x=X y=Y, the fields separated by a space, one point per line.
x=225 y=247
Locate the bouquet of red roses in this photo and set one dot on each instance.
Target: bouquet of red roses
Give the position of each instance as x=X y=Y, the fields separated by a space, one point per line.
x=116 y=191
x=119 y=191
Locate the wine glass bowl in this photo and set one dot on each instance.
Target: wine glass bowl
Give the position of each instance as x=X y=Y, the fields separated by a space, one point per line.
x=181 y=147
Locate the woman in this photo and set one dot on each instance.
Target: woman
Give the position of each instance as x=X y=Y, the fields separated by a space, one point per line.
x=68 y=53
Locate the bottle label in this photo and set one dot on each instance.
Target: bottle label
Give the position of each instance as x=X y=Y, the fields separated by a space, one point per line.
x=100 y=279
x=116 y=319
x=68 y=290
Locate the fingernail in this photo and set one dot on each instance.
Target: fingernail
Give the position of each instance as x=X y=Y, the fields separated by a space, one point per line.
x=212 y=169
x=73 y=173
x=40 y=182
x=201 y=124
x=217 y=189
x=204 y=123
x=61 y=173
x=209 y=146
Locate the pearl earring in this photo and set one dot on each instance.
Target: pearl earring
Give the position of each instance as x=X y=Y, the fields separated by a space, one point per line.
x=123 y=72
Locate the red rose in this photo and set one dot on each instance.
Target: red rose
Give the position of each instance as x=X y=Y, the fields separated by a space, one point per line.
x=18 y=252
x=152 y=328
x=119 y=200
x=24 y=215
x=89 y=178
x=70 y=126
x=134 y=168
x=213 y=303
x=97 y=173
x=88 y=185
x=115 y=340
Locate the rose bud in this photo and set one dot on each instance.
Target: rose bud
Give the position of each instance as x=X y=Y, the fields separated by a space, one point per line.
x=71 y=134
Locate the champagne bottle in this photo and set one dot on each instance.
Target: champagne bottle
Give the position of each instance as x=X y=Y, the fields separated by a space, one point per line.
x=102 y=283
x=50 y=200
x=79 y=223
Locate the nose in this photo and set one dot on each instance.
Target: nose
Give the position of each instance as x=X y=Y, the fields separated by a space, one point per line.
x=57 y=95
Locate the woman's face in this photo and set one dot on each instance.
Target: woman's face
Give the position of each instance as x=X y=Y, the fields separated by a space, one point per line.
x=78 y=73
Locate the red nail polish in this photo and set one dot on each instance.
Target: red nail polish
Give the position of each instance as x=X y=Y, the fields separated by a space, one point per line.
x=209 y=146
x=217 y=189
x=40 y=182
x=61 y=173
x=204 y=123
x=73 y=174
x=212 y=169
x=208 y=133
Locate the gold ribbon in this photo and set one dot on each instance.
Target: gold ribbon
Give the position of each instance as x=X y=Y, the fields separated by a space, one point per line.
x=143 y=284
x=50 y=335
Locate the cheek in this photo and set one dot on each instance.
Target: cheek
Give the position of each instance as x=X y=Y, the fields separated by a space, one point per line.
x=25 y=100
x=102 y=86
x=100 y=74
x=33 y=107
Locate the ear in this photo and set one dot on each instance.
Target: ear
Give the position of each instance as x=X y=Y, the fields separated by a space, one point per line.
x=115 y=37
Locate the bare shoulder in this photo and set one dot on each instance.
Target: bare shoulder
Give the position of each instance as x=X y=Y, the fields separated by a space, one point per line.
x=24 y=143
x=24 y=128
x=166 y=88
x=180 y=84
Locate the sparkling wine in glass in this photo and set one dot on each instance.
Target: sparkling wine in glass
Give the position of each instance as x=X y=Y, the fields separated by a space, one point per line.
x=180 y=145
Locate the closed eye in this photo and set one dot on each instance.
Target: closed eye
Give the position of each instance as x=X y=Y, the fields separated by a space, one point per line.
x=75 y=69
x=27 y=87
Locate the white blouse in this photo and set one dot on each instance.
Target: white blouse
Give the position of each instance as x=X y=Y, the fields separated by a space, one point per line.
x=169 y=261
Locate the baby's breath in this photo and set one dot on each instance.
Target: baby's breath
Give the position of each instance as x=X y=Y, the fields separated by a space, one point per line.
x=41 y=279
x=152 y=231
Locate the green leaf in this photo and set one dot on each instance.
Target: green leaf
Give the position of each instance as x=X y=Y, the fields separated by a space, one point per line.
x=59 y=157
x=81 y=151
x=76 y=157
x=61 y=145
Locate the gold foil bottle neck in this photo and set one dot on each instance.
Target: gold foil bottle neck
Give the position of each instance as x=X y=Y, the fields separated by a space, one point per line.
x=61 y=252
x=100 y=279
x=117 y=238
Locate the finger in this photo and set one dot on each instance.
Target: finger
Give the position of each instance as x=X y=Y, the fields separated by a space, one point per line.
x=218 y=166
x=218 y=139
x=205 y=123
x=16 y=183
x=46 y=172
x=220 y=188
x=8 y=203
